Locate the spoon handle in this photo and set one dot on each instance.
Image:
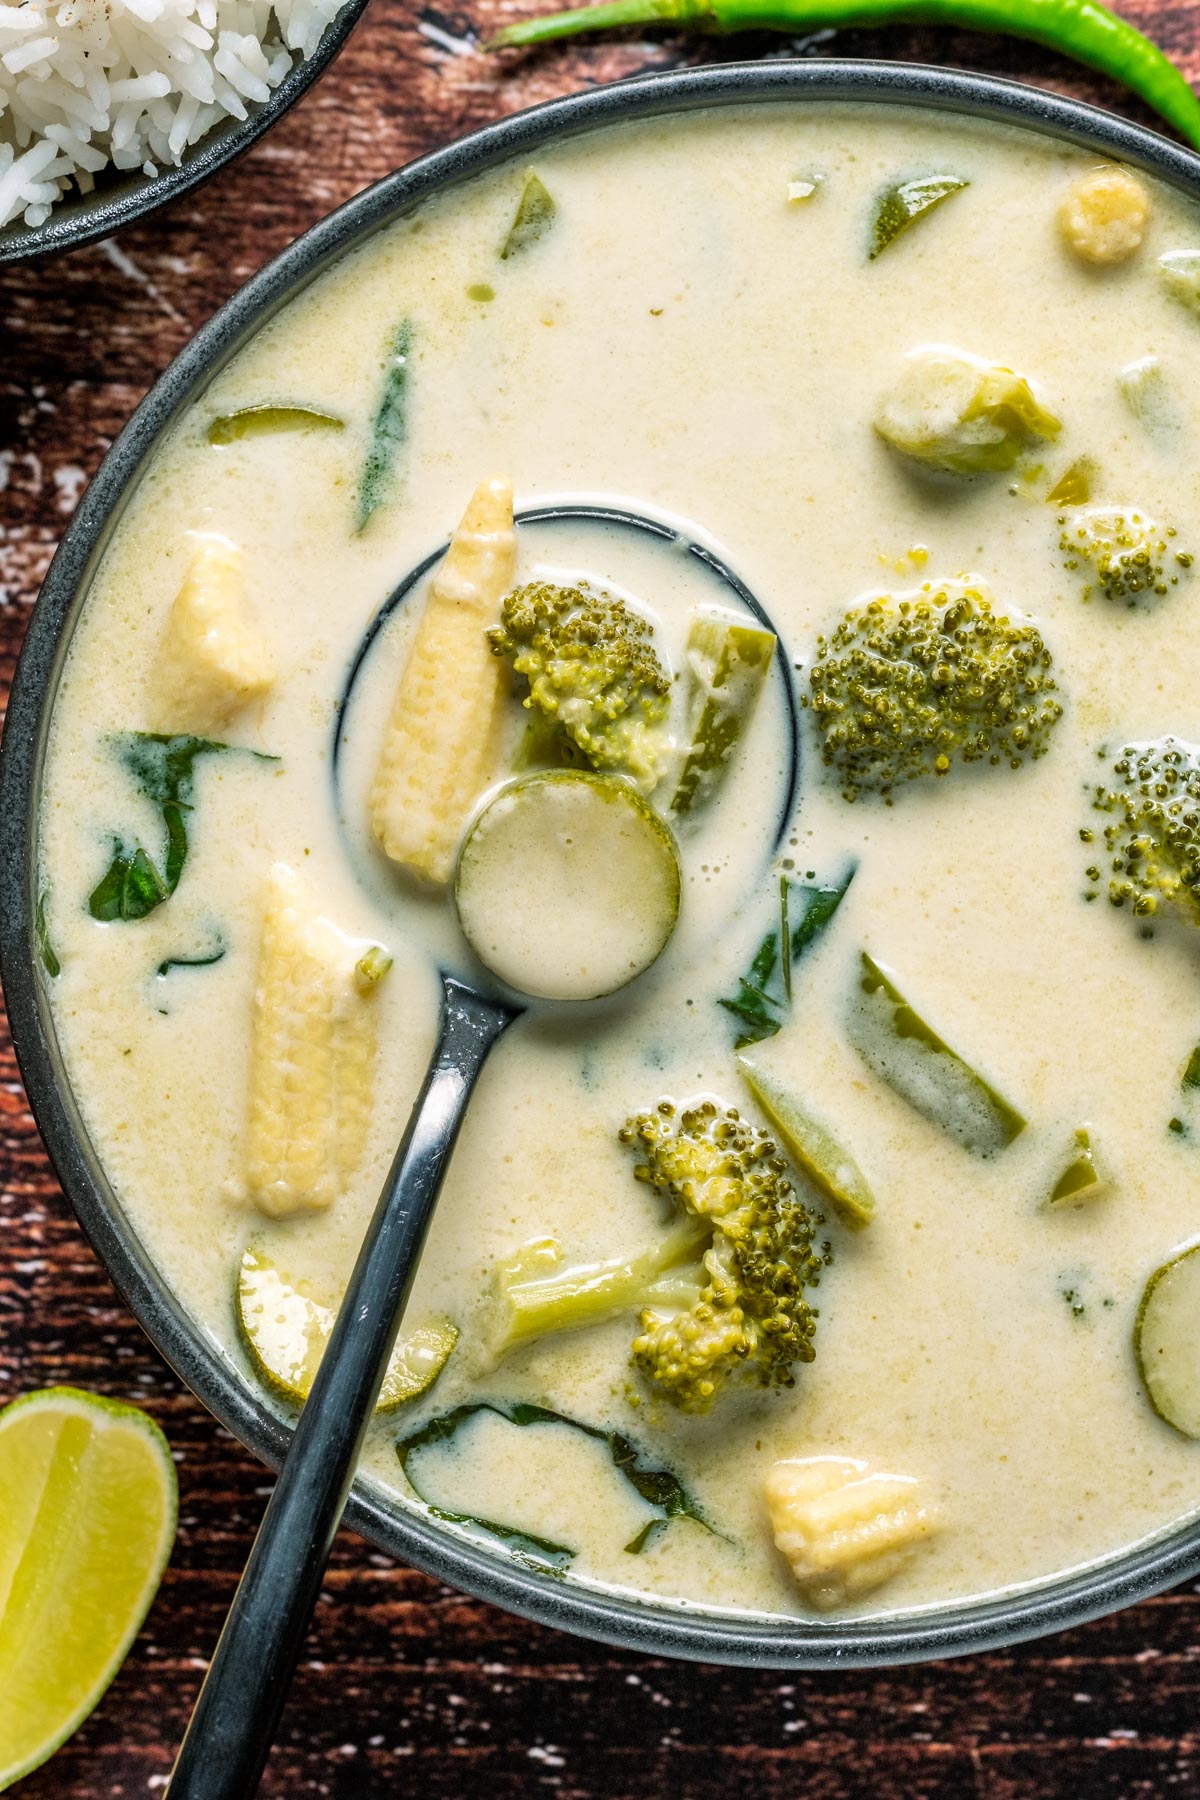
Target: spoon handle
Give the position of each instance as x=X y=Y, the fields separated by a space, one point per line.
x=233 y=1726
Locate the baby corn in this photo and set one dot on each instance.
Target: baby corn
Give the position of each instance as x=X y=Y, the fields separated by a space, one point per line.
x=440 y=739
x=312 y=1057
x=844 y=1528
x=213 y=660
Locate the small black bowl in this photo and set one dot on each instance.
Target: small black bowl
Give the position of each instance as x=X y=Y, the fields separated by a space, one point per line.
x=654 y=1627
x=121 y=196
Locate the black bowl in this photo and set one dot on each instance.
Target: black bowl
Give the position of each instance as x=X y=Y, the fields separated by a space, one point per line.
x=119 y=197
x=655 y=1627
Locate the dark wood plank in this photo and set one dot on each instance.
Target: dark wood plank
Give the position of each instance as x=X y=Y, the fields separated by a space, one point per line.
x=409 y=1687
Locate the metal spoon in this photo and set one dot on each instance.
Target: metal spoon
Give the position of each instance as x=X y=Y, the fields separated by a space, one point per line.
x=233 y=1726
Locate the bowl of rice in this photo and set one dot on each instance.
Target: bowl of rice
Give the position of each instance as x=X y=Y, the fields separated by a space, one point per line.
x=110 y=108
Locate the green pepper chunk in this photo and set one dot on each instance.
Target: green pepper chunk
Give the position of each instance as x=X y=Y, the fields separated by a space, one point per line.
x=901 y=205
x=1091 y=33
x=266 y=419
x=1074 y=485
x=1080 y=1180
x=371 y=968
x=534 y=217
x=894 y=1040
x=728 y=663
x=812 y=1147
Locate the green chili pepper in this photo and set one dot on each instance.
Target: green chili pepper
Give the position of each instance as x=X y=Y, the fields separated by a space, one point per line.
x=1082 y=29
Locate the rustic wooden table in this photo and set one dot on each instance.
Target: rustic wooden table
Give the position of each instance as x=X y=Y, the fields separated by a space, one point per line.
x=409 y=1687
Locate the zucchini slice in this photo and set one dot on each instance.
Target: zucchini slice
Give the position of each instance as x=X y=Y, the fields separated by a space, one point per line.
x=1166 y=1341
x=285 y=1332
x=568 y=884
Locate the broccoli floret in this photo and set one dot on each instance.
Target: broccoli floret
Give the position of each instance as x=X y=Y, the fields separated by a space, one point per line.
x=592 y=672
x=1131 y=557
x=956 y=413
x=908 y=686
x=1153 y=840
x=721 y=1295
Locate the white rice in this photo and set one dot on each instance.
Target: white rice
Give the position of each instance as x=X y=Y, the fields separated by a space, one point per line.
x=132 y=83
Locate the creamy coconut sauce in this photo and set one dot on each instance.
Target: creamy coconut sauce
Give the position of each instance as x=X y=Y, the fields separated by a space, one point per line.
x=685 y=341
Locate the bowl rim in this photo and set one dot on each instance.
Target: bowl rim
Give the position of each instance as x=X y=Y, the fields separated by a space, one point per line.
x=650 y=1627
x=79 y=219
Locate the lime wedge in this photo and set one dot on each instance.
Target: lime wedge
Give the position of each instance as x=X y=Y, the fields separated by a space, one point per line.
x=87 y=1518
x=285 y=1331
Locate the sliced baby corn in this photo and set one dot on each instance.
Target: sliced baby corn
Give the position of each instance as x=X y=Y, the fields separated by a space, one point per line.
x=312 y=1057
x=843 y=1527
x=440 y=743
x=213 y=659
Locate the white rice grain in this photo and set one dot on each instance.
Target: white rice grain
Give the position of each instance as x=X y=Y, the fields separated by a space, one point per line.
x=85 y=84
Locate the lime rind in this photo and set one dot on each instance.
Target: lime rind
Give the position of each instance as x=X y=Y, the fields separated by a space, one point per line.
x=101 y=1414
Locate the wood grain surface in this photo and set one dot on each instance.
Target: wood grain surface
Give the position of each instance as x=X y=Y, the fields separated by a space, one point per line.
x=410 y=1689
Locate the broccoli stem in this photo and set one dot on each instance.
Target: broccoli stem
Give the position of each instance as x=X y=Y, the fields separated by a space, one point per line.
x=666 y=1275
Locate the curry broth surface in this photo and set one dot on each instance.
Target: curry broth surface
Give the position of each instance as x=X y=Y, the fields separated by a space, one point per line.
x=685 y=341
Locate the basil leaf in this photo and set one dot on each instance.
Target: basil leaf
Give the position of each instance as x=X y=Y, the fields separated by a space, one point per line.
x=163 y=767
x=130 y=888
x=203 y=961
x=764 y=994
x=816 y=906
x=50 y=961
x=659 y=1488
x=763 y=966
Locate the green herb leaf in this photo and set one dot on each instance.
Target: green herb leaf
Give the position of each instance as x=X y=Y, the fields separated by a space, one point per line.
x=50 y=961
x=390 y=428
x=534 y=217
x=898 y=206
x=163 y=768
x=265 y=420
x=130 y=888
x=813 y=908
x=657 y=1487
x=764 y=994
x=204 y=960
x=762 y=1016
